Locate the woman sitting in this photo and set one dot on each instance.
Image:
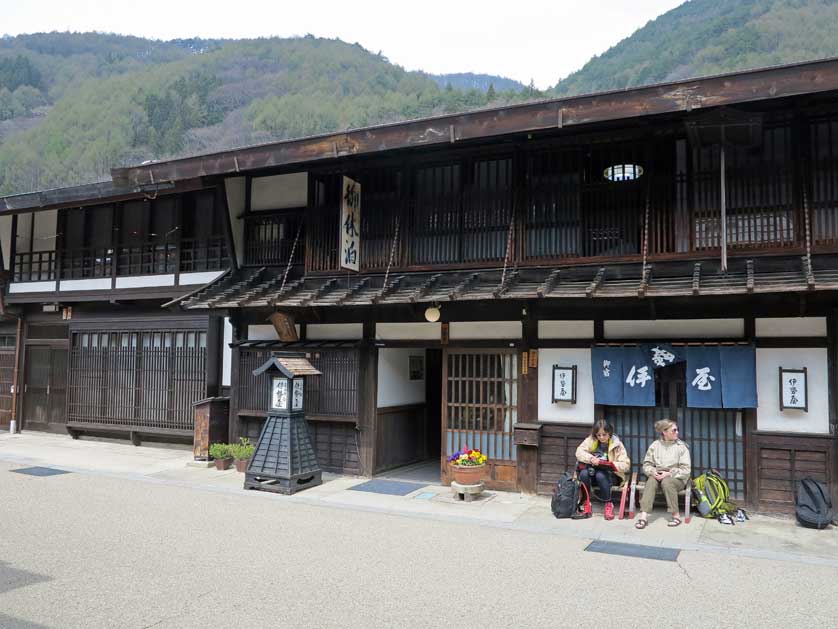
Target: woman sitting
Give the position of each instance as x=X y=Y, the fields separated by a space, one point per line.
x=603 y=458
x=666 y=465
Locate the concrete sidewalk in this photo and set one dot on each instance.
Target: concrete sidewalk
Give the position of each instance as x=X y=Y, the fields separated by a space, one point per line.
x=769 y=537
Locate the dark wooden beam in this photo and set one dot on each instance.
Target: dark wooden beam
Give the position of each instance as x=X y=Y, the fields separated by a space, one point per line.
x=596 y=283
x=558 y=115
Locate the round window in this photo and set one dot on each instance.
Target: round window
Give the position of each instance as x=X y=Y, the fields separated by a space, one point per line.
x=623 y=172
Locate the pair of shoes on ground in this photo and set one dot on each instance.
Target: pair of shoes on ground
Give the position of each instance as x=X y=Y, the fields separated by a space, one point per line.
x=673 y=522
x=740 y=516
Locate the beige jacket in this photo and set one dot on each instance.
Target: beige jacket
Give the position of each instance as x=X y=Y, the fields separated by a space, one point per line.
x=616 y=454
x=670 y=456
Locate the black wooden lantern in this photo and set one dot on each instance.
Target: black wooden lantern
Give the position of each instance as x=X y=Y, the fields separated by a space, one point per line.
x=284 y=461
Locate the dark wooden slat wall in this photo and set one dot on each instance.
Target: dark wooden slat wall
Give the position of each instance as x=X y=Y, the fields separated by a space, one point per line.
x=783 y=459
x=136 y=379
x=400 y=436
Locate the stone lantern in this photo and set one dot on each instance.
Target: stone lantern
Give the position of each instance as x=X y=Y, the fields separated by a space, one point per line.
x=284 y=461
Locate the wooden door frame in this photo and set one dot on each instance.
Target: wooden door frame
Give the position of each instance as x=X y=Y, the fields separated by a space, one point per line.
x=52 y=344
x=503 y=477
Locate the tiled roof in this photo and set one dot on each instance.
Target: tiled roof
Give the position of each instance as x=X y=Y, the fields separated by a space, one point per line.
x=256 y=287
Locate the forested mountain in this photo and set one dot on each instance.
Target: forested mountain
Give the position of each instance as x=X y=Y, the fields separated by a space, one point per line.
x=482 y=82
x=74 y=105
x=704 y=37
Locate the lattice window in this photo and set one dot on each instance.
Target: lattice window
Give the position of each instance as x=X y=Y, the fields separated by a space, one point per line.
x=481 y=401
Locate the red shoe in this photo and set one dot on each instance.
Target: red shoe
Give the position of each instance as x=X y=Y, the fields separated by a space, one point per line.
x=609 y=511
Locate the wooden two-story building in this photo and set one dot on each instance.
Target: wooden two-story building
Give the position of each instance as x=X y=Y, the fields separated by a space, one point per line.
x=491 y=253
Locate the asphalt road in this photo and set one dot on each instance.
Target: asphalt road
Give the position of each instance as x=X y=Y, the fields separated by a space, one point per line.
x=84 y=550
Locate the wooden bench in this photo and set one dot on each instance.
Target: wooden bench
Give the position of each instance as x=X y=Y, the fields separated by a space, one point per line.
x=686 y=492
x=622 y=490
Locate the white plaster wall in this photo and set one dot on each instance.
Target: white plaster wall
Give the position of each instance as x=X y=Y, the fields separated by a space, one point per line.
x=464 y=330
x=394 y=385
x=227 y=353
x=565 y=329
x=334 y=331
x=583 y=411
x=408 y=331
x=279 y=191
x=790 y=326
x=46 y=227
x=6 y=240
x=32 y=287
x=235 y=207
x=200 y=278
x=769 y=416
x=265 y=332
x=675 y=328
x=141 y=281
x=95 y=284
x=24 y=229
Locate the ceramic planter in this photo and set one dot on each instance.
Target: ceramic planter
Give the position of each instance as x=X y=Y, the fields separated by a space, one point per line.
x=467 y=474
x=241 y=465
x=223 y=464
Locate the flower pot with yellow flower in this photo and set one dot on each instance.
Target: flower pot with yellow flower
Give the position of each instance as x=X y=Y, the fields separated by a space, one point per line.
x=467 y=466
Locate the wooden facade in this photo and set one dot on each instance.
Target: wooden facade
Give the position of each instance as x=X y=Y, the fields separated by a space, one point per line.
x=591 y=211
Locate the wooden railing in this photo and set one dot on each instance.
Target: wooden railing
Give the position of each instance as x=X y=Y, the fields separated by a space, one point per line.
x=148 y=259
x=91 y=262
x=37 y=266
x=203 y=254
x=270 y=239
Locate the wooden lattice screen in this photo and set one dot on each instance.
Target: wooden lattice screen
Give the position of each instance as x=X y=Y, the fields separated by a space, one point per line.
x=481 y=401
x=332 y=394
x=137 y=379
x=713 y=435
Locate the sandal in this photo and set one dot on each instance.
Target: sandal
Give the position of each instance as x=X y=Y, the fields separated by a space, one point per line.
x=675 y=521
x=641 y=524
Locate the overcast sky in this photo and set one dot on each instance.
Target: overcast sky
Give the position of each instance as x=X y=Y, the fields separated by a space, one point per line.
x=541 y=40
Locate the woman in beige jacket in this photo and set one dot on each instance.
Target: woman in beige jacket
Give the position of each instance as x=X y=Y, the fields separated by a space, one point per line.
x=667 y=465
x=602 y=457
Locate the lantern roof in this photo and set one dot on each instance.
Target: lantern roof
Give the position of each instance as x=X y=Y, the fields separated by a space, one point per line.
x=289 y=366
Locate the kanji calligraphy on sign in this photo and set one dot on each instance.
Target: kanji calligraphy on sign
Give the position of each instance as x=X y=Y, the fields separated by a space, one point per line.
x=350 y=225
x=794 y=391
x=564 y=384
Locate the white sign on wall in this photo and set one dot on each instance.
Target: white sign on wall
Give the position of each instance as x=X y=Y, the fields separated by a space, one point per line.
x=564 y=384
x=794 y=392
x=350 y=225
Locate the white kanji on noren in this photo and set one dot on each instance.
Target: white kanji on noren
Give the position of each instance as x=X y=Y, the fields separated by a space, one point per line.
x=638 y=376
x=606 y=368
x=661 y=357
x=703 y=378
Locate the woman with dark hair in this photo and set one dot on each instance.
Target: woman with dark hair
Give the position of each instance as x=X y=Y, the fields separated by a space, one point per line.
x=603 y=458
x=667 y=465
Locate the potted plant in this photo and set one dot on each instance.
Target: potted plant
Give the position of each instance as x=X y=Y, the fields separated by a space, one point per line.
x=467 y=466
x=242 y=451
x=221 y=453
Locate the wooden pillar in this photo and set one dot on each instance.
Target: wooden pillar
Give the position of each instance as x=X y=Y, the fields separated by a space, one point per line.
x=832 y=405
x=215 y=344
x=234 y=425
x=368 y=400
x=527 y=451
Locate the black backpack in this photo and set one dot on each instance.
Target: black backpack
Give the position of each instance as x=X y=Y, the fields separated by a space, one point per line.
x=565 y=500
x=813 y=506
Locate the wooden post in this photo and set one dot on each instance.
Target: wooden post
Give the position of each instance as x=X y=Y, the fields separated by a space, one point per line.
x=723 y=204
x=368 y=400
x=221 y=206
x=527 y=455
x=235 y=395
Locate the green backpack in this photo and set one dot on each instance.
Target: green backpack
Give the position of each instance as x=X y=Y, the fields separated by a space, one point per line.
x=712 y=495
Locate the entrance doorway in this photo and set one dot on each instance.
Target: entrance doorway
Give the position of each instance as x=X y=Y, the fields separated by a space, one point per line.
x=45 y=388
x=713 y=435
x=408 y=417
